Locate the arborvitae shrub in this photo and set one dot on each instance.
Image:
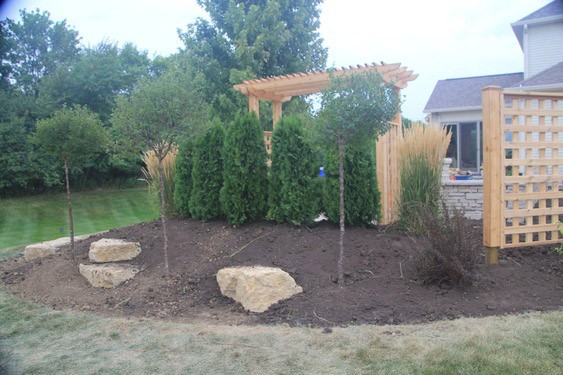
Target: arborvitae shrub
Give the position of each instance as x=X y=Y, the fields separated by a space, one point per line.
x=361 y=197
x=293 y=191
x=245 y=180
x=207 y=174
x=183 y=179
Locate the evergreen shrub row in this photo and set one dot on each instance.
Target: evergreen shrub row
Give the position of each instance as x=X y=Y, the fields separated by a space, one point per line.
x=223 y=174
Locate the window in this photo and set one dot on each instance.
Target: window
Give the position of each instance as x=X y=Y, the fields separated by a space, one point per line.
x=466 y=145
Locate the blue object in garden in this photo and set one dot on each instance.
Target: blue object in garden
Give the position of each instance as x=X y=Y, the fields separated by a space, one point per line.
x=322 y=171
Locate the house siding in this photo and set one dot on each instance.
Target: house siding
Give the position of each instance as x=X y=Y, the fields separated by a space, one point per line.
x=544 y=47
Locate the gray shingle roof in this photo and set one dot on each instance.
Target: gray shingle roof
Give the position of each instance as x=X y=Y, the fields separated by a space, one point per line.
x=546 y=13
x=466 y=92
x=552 y=9
x=550 y=76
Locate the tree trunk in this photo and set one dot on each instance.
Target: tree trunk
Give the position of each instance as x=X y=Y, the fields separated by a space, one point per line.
x=163 y=212
x=70 y=220
x=341 y=172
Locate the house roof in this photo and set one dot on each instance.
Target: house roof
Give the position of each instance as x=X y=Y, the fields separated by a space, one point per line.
x=549 y=13
x=552 y=9
x=552 y=76
x=465 y=93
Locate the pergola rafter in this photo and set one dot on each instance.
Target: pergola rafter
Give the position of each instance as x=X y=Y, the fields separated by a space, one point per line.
x=280 y=89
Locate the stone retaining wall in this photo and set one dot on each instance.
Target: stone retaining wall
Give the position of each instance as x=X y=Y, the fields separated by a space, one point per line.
x=465 y=195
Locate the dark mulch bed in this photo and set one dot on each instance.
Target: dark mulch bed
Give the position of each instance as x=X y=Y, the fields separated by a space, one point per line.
x=380 y=287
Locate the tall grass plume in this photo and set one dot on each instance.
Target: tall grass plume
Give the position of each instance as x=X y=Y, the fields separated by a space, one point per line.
x=150 y=172
x=421 y=154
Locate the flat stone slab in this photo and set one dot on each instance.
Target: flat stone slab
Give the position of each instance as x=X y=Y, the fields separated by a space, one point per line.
x=63 y=241
x=107 y=275
x=38 y=250
x=109 y=250
x=46 y=248
x=257 y=288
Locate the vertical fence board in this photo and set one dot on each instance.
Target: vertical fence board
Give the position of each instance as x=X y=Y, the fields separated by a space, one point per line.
x=491 y=166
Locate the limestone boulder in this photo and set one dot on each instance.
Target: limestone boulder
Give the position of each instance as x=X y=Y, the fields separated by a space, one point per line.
x=257 y=288
x=63 y=241
x=109 y=250
x=107 y=275
x=38 y=250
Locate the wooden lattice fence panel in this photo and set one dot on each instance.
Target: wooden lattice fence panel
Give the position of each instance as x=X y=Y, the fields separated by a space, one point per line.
x=523 y=168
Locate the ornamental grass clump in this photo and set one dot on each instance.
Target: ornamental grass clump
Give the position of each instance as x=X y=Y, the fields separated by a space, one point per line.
x=421 y=154
x=150 y=171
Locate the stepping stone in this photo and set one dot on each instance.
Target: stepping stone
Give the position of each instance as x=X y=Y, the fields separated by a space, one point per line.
x=107 y=275
x=257 y=288
x=109 y=250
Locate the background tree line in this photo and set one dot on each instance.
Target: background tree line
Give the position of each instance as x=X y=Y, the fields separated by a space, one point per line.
x=44 y=67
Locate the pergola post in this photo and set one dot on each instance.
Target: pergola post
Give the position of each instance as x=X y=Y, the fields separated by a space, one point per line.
x=276 y=112
x=254 y=104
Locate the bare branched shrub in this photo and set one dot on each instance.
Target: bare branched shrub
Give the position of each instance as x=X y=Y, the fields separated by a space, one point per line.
x=453 y=254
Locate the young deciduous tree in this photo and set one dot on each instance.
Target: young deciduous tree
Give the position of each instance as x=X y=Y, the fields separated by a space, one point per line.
x=355 y=109
x=74 y=135
x=159 y=112
x=245 y=176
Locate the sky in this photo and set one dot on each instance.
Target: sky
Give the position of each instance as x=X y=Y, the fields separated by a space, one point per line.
x=437 y=39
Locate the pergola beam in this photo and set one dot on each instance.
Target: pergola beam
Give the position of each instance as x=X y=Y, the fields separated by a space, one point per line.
x=283 y=88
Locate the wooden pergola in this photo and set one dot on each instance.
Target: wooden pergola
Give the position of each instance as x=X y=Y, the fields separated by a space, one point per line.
x=280 y=89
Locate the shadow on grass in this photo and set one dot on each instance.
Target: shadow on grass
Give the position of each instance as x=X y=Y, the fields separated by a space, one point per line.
x=4 y=359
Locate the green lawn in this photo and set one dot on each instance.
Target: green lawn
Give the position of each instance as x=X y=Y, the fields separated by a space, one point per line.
x=45 y=217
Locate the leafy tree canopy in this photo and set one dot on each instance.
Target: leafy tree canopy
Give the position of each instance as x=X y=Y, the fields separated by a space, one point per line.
x=249 y=39
x=73 y=135
x=356 y=108
x=95 y=79
x=159 y=112
x=35 y=47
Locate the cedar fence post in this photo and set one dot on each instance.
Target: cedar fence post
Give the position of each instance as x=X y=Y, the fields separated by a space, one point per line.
x=492 y=169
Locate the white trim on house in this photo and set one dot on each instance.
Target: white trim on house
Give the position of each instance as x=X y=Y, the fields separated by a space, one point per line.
x=551 y=87
x=454 y=109
x=534 y=21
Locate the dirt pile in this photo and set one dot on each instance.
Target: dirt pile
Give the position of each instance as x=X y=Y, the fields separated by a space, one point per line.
x=380 y=286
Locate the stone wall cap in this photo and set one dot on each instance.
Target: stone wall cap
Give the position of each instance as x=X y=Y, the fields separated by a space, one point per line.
x=462 y=182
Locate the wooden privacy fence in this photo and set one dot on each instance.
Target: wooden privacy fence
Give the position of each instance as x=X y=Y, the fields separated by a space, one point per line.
x=388 y=177
x=522 y=169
